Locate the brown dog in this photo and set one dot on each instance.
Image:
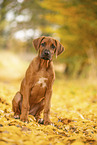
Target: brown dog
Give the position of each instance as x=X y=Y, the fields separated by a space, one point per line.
x=36 y=87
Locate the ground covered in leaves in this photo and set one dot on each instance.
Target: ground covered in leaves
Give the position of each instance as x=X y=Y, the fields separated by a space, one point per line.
x=73 y=113
x=73 y=116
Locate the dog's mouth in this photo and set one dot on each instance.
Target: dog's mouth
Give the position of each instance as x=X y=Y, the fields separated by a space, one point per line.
x=46 y=55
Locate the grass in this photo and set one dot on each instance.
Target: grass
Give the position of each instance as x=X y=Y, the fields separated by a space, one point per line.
x=73 y=115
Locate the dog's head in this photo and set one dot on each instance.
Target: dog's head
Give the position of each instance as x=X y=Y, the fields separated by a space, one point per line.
x=47 y=47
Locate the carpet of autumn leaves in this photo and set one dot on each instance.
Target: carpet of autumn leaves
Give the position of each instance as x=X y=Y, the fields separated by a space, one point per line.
x=73 y=115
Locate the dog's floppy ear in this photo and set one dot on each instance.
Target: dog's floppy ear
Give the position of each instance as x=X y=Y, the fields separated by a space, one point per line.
x=37 y=42
x=59 y=48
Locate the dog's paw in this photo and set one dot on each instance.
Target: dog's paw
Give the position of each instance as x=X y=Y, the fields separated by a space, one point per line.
x=24 y=118
x=17 y=116
x=41 y=121
x=47 y=122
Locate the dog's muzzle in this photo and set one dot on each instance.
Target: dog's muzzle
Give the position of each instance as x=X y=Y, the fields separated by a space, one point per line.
x=46 y=55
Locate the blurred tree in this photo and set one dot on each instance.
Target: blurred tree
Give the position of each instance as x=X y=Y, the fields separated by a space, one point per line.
x=5 y=6
x=76 y=26
x=27 y=15
x=73 y=22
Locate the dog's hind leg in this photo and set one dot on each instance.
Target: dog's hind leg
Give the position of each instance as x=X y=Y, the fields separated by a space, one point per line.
x=37 y=109
x=16 y=105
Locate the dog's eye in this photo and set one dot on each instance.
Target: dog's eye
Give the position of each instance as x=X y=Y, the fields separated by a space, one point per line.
x=43 y=44
x=53 y=46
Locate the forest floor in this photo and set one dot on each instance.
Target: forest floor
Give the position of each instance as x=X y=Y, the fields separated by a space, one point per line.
x=73 y=115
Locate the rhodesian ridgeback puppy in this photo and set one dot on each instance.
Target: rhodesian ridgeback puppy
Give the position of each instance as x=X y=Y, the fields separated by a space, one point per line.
x=36 y=88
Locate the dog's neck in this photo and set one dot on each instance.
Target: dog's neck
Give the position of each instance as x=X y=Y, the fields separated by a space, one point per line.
x=44 y=63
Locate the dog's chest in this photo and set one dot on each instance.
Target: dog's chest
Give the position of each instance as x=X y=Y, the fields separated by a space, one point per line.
x=42 y=82
x=39 y=89
x=42 y=79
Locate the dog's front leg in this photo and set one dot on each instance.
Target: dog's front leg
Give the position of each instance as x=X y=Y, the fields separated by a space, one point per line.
x=47 y=107
x=25 y=104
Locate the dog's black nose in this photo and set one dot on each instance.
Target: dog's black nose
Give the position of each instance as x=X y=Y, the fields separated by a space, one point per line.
x=46 y=52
